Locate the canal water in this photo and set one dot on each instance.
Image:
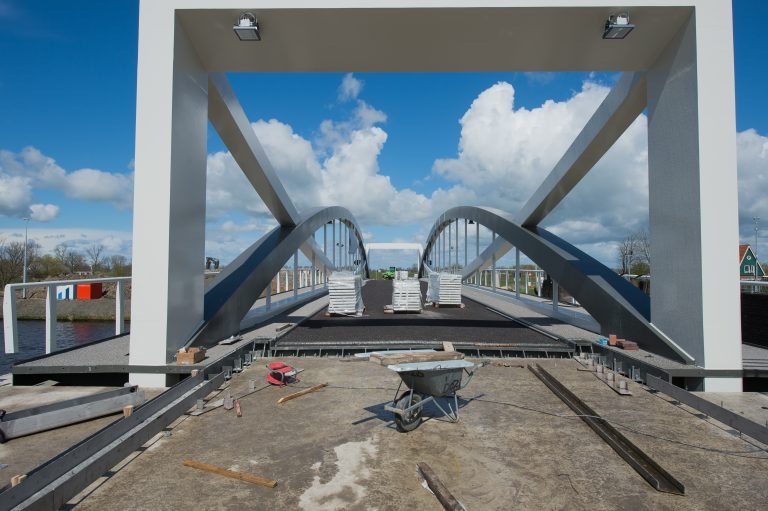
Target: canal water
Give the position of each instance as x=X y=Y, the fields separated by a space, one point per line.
x=70 y=333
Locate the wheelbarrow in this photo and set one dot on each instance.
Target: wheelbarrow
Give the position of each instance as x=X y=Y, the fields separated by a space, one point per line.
x=426 y=382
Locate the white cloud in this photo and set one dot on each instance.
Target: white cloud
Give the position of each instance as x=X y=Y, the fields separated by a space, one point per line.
x=753 y=188
x=29 y=169
x=506 y=152
x=43 y=212
x=99 y=186
x=15 y=195
x=350 y=88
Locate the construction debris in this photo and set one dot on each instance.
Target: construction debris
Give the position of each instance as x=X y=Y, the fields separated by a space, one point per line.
x=301 y=393
x=446 y=499
x=243 y=476
x=189 y=356
x=388 y=359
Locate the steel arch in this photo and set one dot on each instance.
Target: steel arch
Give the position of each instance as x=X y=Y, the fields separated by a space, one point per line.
x=615 y=303
x=239 y=285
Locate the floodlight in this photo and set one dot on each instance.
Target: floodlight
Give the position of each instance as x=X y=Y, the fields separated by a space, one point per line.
x=617 y=26
x=247 y=27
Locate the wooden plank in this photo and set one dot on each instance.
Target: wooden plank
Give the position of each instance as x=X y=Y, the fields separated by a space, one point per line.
x=243 y=476
x=448 y=346
x=407 y=358
x=301 y=393
x=446 y=499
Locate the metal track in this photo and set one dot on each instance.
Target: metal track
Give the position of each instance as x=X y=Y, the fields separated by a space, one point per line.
x=651 y=471
x=53 y=483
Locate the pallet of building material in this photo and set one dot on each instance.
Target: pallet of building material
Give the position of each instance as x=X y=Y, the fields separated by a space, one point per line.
x=444 y=289
x=387 y=359
x=345 y=294
x=406 y=296
x=627 y=345
x=190 y=356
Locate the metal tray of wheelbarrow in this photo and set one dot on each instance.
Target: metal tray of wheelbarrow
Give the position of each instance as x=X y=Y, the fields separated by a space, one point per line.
x=438 y=378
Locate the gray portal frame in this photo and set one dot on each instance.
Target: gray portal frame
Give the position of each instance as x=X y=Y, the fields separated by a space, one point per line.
x=683 y=47
x=614 y=302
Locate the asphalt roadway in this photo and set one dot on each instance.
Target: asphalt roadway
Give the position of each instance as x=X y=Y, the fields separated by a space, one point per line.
x=473 y=324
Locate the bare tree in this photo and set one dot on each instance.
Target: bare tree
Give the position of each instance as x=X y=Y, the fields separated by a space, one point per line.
x=634 y=253
x=74 y=261
x=12 y=259
x=120 y=265
x=94 y=255
x=60 y=253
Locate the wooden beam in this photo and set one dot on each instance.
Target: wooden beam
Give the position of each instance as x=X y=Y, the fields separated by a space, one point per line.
x=407 y=358
x=243 y=476
x=446 y=499
x=301 y=393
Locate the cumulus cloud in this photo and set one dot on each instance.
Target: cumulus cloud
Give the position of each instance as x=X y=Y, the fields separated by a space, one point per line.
x=505 y=152
x=350 y=87
x=43 y=212
x=29 y=169
x=753 y=186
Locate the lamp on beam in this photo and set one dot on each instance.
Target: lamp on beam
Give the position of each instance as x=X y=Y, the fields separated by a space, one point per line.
x=247 y=28
x=617 y=26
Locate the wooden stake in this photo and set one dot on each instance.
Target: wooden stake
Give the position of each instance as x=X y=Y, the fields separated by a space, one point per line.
x=17 y=479
x=301 y=393
x=243 y=476
x=238 y=411
x=447 y=500
x=127 y=411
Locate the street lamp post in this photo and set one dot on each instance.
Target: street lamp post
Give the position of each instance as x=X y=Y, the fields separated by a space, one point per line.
x=24 y=275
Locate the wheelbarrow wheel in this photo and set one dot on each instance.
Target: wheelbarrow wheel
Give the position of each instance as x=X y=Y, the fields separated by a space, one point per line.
x=411 y=420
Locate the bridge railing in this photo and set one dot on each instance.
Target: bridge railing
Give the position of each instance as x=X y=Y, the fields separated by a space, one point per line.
x=10 y=323
x=284 y=282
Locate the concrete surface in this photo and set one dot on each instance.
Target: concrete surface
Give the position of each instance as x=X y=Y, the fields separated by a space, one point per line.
x=517 y=446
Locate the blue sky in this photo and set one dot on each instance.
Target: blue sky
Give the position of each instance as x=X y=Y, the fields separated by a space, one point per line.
x=67 y=103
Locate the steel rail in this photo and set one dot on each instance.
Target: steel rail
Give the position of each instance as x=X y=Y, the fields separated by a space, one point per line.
x=651 y=471
x=52 y=484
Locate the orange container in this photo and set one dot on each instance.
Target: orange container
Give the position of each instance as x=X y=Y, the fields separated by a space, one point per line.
x=89 y=291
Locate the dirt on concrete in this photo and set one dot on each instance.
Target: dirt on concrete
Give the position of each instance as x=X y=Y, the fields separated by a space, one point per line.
x=516 y=446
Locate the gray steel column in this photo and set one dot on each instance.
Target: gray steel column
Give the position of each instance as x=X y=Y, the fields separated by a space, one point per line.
x=517 y=272
x=333 y=246
x=465 y=243
x=477 y=247
x=493 y=265
x=555 y=295
x=314 y=270
x=295 y=274
x=449 y=245
x=269 y=293
x=456 y=245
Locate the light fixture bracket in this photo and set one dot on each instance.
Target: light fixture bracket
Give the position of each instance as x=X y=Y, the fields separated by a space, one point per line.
x=247 y=27
x=617 y=26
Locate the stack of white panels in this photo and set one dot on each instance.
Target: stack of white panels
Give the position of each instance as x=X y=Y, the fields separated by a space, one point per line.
x=345 y=293
x=406 y=295
x=402 y=275
x=444 y=289
x=449 y=291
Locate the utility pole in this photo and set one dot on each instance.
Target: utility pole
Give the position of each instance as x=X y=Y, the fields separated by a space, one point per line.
x=756 y=220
